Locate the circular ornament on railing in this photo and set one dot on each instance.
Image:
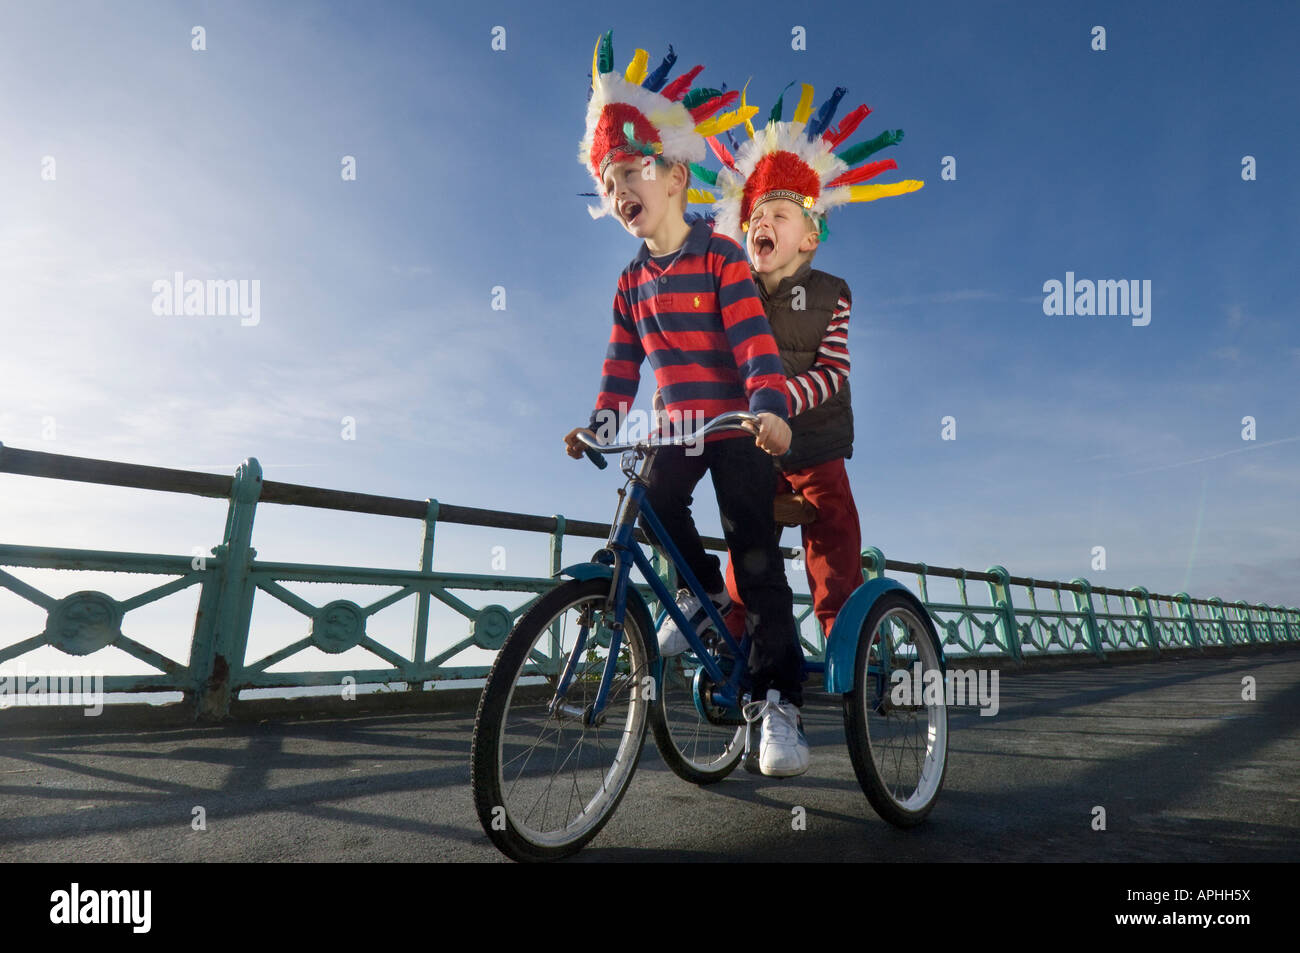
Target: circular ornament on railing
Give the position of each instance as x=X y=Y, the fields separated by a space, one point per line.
x=338 y=626
x=490 y=627
x=84 y=622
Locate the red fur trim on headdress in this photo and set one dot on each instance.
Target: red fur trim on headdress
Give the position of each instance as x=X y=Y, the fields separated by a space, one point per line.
x=780 y=170
x=609 y=135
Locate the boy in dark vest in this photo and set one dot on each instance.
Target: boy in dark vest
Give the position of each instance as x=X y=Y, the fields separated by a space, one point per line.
x=776 y=193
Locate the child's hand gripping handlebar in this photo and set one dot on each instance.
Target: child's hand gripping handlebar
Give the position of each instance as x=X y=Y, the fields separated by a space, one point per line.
x=595 y=451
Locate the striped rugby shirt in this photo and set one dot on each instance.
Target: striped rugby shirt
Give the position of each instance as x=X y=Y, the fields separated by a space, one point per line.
x=701 y=324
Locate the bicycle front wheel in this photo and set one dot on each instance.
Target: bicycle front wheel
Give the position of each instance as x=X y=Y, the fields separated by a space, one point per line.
x=546 y=778
x=898 y=743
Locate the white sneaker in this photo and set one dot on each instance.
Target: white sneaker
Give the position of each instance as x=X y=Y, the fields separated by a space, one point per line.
x=782 y=749
x=671 y=640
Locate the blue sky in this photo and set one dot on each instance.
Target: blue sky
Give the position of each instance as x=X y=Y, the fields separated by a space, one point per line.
x=1072 y=432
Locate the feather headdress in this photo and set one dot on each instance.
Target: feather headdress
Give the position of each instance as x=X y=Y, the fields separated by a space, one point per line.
x=639 y=113
x=797 y=160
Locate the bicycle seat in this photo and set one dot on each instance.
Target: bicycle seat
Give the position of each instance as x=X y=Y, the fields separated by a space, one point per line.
x=791 y=509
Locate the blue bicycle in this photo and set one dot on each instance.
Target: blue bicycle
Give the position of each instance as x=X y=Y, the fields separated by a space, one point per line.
x=563 y=717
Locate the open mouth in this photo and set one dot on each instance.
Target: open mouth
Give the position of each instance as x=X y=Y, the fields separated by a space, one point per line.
x=630 y=211
x=763 y=245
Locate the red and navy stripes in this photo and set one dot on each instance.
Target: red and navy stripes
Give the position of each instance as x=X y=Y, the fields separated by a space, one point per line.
x=701 y=325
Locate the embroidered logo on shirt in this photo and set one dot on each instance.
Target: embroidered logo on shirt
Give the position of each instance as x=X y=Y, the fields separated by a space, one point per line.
x=697 y=301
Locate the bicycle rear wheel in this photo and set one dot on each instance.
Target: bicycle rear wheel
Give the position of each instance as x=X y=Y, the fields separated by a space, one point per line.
x=898 y=744
x=545 y=782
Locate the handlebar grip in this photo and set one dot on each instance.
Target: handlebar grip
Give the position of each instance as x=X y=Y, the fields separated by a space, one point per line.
x=597 y=458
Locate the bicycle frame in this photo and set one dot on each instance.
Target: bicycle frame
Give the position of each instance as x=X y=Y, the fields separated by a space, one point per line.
x=622 y=544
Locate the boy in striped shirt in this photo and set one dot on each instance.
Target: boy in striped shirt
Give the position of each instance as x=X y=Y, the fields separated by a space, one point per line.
x=687 y=304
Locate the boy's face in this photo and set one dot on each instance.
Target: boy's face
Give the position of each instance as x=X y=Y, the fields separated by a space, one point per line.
x=642 y=194
x=779 y=232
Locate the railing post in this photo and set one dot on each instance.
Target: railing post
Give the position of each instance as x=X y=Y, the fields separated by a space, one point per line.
x=1189 y=620
x=1243 y=612
x=235 y=596
x=877 y=563
x=557 y=545
x=1216 y=610
x=1142 y=597
x=1083 y=603
x=420 y=637
x=1000 y=594
x=1270 y=621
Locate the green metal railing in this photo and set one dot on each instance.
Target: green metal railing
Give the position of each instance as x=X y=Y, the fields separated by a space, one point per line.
x=218 y=667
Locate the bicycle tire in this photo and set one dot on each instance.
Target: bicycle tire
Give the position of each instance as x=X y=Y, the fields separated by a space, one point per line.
x=695 y=748
x=514 y=706
x=899 y=763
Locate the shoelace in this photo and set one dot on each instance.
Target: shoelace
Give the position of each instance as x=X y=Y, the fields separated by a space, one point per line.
x=692 y=607
x=782 y=729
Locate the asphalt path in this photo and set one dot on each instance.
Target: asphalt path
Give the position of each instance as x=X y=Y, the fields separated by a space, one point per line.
x=1184 y=768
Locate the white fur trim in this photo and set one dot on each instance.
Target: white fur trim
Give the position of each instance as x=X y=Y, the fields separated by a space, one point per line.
x=772 y=138
x=672 y=120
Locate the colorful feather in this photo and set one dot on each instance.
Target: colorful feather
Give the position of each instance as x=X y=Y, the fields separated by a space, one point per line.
x=846 y=126
x=775 y=114
x=635 y=71
x=678 y=87
x=704 y=173
x=862 y=173
x=604 y=61
x=701 y=95
x=855 y=154
x=699 y=196
x=826 y=113
x=804 y=109
x=707 y=108
x=655 y=81
x=724 y=121
x=719 y=150
x=869 y=193
x=749 y=126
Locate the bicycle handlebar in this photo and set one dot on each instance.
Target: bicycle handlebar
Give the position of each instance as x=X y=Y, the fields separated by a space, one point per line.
x=731 y=420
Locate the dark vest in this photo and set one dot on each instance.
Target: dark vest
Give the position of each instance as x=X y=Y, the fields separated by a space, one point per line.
x=825 y=432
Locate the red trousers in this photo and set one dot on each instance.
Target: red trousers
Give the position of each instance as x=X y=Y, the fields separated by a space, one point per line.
x=832 y=545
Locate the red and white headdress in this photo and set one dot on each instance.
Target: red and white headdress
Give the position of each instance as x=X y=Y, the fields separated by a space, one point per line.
x=633 y=114
x=796 y=160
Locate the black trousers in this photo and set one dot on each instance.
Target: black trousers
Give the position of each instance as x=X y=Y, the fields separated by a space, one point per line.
x=745 y=482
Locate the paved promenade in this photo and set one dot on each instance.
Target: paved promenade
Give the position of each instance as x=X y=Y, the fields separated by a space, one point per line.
x=1185 y=769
